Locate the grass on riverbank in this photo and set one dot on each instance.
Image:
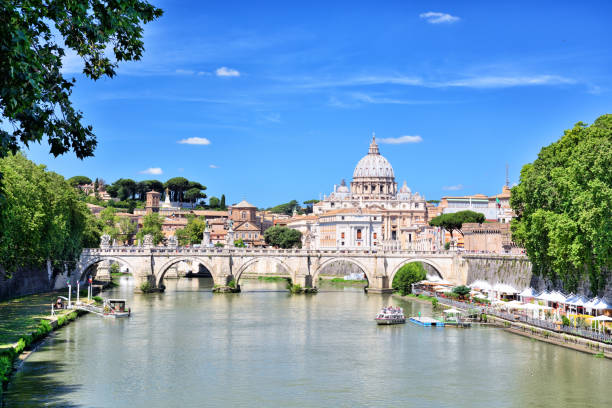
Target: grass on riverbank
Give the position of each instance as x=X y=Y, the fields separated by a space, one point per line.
x=9 y=353
x=22 y=315
x=340 y=281
x=271 y=278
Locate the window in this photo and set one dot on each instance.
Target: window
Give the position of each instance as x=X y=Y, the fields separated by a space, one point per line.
x=359 y=234
x=243 y=215
x=342 y=218
x=342 y=243
x=342 y=235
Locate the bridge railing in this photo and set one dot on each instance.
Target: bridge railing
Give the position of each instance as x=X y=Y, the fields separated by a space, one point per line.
x=254 y=251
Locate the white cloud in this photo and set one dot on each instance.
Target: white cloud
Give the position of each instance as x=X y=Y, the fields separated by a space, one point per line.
x=227 y=72
x=483 y=81
x=434 y=17
x=506 y=81
x=453 y=188
x=212 y=166
x=195 y=141
x=401 y=139
x=152 y=170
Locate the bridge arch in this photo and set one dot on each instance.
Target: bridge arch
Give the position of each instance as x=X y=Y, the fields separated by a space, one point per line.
x=437 y=268
x=317 y=272
x=85 y=268
x=161 y=271
x=254 y=260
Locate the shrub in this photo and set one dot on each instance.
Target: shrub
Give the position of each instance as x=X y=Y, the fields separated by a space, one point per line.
x=434 y=302
x=232 y=284
x=406 y=276
x=146 y=287
x=447 y=245
x=295 y=288
x=565 y=321
x=98 y=299
x=462 y=291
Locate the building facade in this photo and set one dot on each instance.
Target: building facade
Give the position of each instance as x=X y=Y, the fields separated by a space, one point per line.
x=373 y=190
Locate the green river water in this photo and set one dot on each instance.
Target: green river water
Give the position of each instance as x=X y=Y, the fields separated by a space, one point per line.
x=264 y=348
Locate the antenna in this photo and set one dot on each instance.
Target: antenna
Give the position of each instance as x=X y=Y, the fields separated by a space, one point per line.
x=507 y=178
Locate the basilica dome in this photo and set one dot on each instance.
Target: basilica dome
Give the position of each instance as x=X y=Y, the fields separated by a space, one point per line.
x=373 y=165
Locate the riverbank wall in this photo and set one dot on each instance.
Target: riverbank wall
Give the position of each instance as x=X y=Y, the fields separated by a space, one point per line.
x=11 y=355
x=560 y=339
x=25 y=281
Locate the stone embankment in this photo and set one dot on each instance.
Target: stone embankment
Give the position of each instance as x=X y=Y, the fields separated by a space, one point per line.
x=561 y=339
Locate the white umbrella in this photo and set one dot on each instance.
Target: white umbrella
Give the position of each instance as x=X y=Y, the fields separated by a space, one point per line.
x=602 y=305
x=480 y=284
x=504 y=288
x=452 y=311
x=602 y=318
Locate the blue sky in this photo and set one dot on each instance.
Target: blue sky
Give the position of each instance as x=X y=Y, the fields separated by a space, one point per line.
x=287 y=96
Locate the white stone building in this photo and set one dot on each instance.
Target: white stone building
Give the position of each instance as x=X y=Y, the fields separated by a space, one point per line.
x=349 y=228
x=373 y=189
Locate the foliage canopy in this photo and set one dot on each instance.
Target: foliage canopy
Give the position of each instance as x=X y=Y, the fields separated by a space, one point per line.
x=283 y=237
x=407 y=275
x=34 y=95
x=563 y=204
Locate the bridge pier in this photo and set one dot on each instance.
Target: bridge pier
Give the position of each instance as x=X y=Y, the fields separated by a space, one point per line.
x=379 y=284
x=103 y=271
x=305 y=281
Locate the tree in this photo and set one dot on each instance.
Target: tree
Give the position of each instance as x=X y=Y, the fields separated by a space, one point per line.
x=219 y=245
x=78 y=181
x=286 y=208
x=177 y=186
x=239 y=243
x=283 y=237
x=214 y=203
x=193 y=195
x=454 y=221
x=222 y=204
x=42 y=219
x=152 y=225
x=563 y=204
x=193 y=231
x=109 y=222
x=143 y=187
x=309 y=205
x=407 y=275
x=461 y=291
x=127 y=228
x=34 y=95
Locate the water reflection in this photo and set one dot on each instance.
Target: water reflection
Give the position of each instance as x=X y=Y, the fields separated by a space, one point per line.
x=263 y=347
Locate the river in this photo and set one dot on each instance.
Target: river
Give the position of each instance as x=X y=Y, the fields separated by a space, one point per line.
x=190 y=348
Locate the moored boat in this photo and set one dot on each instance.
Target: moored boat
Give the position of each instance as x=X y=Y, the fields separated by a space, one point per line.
x=390 y=315
x=116 y=308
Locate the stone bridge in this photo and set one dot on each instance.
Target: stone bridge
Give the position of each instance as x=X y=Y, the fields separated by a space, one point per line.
x=152 y=264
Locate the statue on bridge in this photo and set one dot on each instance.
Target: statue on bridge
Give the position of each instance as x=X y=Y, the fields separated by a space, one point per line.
x=173 y=241
x=105 y=240
x=148 y=240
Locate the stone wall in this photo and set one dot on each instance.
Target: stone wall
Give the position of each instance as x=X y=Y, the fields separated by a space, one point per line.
x=340 y=268
x=539 y=283
x=25 y=281
x=513 y=271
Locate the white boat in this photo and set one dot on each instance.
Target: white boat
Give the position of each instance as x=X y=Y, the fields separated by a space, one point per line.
x=115 y=308
x=390 y=315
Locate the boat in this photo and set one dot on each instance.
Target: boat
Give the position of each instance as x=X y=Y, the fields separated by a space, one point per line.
x=390 y=315
x=116 y=308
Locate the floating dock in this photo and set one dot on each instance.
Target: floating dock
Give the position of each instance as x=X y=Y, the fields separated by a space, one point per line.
x=427 y=321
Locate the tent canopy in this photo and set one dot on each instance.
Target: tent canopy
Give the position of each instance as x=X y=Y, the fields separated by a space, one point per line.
x=602 y=318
